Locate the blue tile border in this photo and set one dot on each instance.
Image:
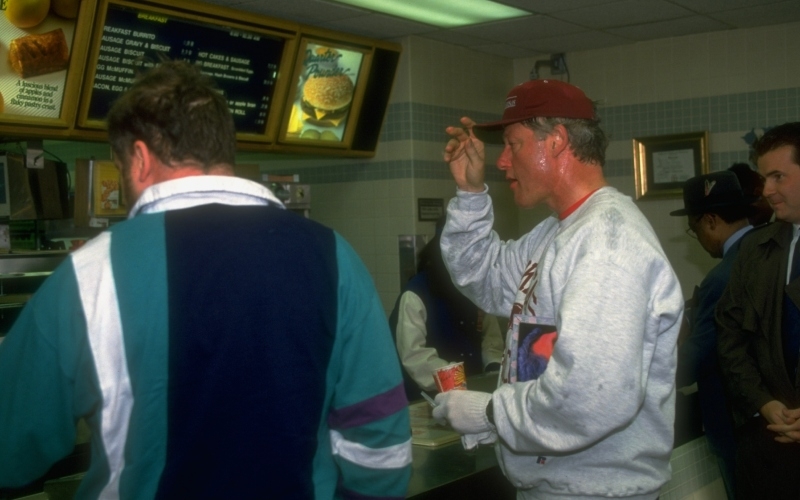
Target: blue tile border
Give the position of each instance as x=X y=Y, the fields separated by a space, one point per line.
x=717 y=114
x=417 y=122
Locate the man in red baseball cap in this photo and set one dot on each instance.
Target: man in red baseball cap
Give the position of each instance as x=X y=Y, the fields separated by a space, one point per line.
x=597 y=419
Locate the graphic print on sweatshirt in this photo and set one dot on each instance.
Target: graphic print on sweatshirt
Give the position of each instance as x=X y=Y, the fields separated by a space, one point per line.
x=526 y=299
x=531 y=341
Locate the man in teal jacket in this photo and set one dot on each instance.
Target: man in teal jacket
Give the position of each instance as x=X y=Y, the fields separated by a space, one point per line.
x=218 y=345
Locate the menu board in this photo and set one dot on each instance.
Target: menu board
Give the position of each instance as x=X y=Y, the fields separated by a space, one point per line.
x=244 y=64
x=36 y=50
x=326 y=91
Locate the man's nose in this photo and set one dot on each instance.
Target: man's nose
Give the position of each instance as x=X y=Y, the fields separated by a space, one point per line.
x=504 y=160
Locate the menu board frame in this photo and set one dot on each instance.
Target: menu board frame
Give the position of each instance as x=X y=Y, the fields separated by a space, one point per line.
x=202 y=14
x=342 y=43
x=18 y=124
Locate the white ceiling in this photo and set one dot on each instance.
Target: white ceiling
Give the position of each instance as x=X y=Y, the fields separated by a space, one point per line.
x=555 y=25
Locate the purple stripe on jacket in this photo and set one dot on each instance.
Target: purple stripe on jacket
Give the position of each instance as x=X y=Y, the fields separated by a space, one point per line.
x=351 y=495
x=370 y=410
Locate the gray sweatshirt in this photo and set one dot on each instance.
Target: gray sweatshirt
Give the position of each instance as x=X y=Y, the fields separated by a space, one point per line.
x=599 y=421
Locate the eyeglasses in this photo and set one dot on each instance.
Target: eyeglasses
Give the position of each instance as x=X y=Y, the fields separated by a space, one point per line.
x=691 y=231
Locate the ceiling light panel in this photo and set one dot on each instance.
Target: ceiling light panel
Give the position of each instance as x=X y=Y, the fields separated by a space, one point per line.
x=442 y=13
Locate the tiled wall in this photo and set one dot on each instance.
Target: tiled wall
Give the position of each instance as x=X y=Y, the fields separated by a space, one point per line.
x=732 y=115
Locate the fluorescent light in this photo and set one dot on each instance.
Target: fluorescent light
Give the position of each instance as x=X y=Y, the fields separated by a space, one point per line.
x=442 y=13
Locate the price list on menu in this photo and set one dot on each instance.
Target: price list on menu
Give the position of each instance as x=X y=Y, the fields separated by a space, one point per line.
x=243 y=64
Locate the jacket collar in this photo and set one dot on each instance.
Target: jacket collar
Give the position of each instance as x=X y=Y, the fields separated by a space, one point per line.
x=778 y=232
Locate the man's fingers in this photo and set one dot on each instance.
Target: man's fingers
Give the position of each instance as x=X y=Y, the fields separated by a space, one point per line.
x=472 y=152
x=468 y=123
x=452 y=150
x=458 y=133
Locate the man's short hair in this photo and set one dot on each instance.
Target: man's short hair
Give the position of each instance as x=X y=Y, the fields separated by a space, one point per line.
x=752 y=183
x=787 y=134
x=179 y=113
x=587 y=140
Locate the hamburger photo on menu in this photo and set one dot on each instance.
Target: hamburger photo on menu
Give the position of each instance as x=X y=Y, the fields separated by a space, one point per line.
x=325 y=93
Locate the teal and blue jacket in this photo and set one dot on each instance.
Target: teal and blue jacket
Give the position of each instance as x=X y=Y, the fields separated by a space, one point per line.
x=218 y=346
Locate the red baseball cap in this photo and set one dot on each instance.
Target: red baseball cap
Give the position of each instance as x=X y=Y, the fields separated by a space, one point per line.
x=547 y=98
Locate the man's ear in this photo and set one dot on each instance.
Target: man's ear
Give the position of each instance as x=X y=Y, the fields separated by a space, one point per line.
x=141 y=162
x=557 y=140
x=713 y=220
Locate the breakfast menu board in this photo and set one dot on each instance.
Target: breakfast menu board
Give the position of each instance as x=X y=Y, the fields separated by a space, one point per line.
x=326 y=86
x=33 y=72
x=244 y=64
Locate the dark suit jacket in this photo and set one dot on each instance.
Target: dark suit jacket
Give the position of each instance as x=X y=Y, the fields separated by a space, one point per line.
x=697 y=357
x=748 y=314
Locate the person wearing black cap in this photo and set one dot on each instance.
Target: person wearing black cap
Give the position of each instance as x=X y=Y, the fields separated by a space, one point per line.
x=585 y=406
x=717 y=212
x=758 y=316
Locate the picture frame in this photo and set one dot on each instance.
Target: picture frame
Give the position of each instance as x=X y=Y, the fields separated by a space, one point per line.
x=663 y=163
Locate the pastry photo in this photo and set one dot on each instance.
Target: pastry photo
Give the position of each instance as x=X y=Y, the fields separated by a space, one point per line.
x=35 y=46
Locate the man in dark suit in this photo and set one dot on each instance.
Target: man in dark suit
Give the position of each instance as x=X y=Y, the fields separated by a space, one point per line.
x=759 y=330
x=717 y=212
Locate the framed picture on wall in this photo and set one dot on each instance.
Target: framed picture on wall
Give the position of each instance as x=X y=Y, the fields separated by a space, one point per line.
x=663 y=163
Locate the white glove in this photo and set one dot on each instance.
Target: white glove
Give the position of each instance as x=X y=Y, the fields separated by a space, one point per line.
x=465 y=411
x=470 y=441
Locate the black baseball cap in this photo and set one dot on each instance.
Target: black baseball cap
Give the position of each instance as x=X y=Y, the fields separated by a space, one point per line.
x=708 y=192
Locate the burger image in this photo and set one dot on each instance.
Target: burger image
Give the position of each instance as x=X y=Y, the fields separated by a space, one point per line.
x=326 y=99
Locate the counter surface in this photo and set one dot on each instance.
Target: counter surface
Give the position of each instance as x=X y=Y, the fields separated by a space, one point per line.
x=437 y=467
x=449 y=470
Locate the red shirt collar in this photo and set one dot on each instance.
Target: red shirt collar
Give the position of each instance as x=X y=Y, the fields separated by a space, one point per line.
x=566 y=213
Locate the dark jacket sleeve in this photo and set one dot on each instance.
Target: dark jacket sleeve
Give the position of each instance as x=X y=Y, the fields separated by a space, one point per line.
x=738 y=330
x=699 y=350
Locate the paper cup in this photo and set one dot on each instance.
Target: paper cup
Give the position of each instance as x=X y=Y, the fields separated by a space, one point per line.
x=451 y=377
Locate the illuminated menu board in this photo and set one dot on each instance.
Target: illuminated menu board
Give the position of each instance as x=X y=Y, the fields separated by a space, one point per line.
x=327 y=89
x=244 y=64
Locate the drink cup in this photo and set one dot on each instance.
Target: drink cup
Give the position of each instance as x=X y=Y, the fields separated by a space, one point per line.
x=451 y=377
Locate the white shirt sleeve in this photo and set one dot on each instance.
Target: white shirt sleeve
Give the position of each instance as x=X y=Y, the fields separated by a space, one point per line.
x=418 y=360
